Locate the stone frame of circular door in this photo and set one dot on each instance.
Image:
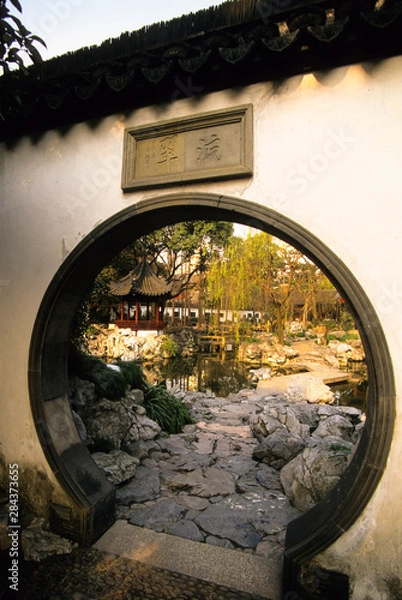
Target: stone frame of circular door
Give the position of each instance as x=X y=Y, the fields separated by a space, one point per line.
x=90 y=511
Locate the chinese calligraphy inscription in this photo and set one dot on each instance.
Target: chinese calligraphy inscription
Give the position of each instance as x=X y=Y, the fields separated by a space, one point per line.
x=159 y=156
x=210 y=146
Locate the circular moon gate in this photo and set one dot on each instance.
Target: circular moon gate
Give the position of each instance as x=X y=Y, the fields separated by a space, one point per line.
x=91 y=508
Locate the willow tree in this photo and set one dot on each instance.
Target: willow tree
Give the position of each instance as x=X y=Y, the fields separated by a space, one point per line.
x=225 y=280
x=257 y=273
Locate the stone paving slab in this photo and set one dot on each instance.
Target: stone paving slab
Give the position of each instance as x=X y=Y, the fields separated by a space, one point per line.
x=89 y=574
x=243 y=572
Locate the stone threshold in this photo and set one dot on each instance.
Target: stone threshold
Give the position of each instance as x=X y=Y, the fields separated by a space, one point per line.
x=221 y=566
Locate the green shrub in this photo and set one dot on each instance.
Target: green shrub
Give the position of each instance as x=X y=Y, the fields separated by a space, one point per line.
x=331 y=337
x=347 y=321
x=350 y=336
x=330 y=324
x=162 y=407
x=169 y=347
x=109 y=383
x=132 y=374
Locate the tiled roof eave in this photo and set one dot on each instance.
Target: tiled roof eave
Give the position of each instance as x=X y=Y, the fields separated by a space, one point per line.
x=247 y=53
x=141 y=283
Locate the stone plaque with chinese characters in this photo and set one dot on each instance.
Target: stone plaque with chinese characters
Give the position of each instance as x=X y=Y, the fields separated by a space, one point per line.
x=214 y=145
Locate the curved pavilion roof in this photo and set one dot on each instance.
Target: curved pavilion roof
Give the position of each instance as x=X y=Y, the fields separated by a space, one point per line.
x=142 y=282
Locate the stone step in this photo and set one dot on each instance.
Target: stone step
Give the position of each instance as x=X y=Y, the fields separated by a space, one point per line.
x=236 y=570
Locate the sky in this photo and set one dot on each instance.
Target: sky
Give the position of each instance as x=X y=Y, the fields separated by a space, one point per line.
x=67 y=25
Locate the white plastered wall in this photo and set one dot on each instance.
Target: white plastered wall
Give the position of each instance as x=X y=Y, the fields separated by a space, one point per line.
x=326 y=154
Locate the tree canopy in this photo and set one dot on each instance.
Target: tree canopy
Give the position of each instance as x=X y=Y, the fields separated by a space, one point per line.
x=212 y=268
x=16 y=39
x=176 y=252
x=17 y=47
x=262 y=274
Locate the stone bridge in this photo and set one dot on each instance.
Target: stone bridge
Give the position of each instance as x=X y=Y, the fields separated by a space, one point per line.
x=286 y=121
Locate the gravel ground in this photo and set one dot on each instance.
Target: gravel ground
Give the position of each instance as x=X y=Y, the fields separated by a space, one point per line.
x=88 y=574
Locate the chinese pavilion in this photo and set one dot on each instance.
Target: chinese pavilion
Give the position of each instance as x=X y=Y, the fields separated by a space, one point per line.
x=143 y=295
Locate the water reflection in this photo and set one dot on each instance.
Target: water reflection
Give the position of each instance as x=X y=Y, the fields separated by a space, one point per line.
x=207 y=374
x=223 y=377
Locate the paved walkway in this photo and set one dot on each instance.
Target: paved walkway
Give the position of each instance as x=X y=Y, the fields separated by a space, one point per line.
x=203 y=484
x=131 y=563
x=245 y=573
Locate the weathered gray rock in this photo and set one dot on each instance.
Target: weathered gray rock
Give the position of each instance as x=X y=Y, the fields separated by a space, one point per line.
x=205 y=443
x=312 y=389
x=221 y=543
x=174 y=445
x=249 y=483
x=332 y=361
x=295 y=327
x=245 y=519
x=184 y=463
x=202 y=482
x=238 y=465
x=343 y=350
x=140 y=449
x=119 y=422
x=193 y=502
x=311 y=475
x=253 y=352
x=185 y=529
x=354 y=415
x=123 y=343
x=271 y=549
x=263 y=373
x=307 y=414
x=145 y=485
x=158 y=516
x=38 y=544
x=342 y=353
x=221 y=521
x=279 y=448
x=136 y=397
x=277 y=416
x=109 y=422
x=263 y=425
x=268 y=477
x=81 y=393
x=118 y=466
x=336 y=426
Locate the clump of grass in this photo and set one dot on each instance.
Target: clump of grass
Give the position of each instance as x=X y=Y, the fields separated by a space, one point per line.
x=169 y=412
x=133 y=374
